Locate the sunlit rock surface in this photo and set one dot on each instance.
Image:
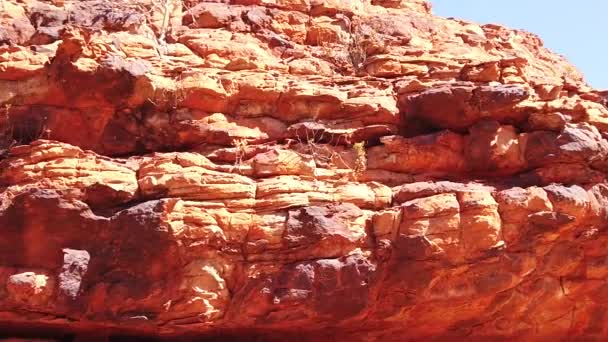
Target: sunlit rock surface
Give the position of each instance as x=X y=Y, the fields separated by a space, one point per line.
x=294 y=169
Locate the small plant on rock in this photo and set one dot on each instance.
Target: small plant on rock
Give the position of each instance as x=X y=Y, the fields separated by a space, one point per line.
x=360 y=158
x=570 y=72
x=6 y=132
x=241 y=149
x=357 y=49
x=321 y=147
x=22 y=131
x=363 y=42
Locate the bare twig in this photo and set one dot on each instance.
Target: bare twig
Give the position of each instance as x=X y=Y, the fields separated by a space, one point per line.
x=321 y=152
x=360 y=157
x=164 y=4
x=241 y=150
x=6 y=133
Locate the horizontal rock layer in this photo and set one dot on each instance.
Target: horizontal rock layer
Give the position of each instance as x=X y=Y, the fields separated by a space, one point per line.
x=300 y=169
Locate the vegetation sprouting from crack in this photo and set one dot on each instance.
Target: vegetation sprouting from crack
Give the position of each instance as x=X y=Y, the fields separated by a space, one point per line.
x=360 y=157
x=325 y=151
x=6 y=132
x=240 y=146
x=363 y=42
x=20 y=132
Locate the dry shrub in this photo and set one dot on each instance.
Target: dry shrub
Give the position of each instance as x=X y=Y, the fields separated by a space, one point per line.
x=241 y=149
x=23 y=131
x=364 y=41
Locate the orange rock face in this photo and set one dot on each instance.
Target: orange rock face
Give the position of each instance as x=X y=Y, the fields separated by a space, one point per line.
x=294 y=169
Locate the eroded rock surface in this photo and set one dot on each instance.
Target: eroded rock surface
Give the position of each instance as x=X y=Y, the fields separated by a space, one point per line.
x=295 y=169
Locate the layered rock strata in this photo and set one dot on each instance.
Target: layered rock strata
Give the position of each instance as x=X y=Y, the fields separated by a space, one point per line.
x=302 y=169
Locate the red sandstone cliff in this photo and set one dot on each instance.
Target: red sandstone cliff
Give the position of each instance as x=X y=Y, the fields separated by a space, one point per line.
x=349 y=170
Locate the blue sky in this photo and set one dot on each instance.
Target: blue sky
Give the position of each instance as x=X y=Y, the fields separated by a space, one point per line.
x=575 y=29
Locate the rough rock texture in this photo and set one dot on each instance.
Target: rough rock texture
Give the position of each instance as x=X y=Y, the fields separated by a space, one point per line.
x=295 y=169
